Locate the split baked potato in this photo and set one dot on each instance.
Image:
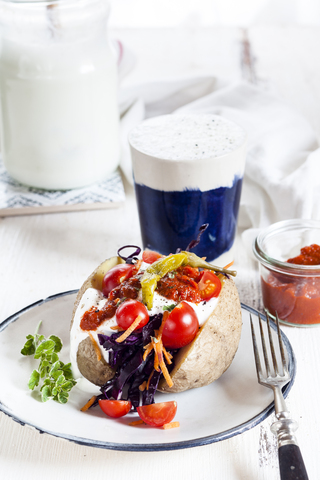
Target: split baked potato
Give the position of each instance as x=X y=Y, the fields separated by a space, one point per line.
x=197 y=364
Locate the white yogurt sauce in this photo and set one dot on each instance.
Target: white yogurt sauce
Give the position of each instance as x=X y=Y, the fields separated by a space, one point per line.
x=95 y=298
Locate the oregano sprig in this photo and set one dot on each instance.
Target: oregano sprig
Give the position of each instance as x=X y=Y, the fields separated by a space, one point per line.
x=54 y=378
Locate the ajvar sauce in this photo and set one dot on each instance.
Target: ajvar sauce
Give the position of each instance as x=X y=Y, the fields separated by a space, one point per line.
x=309 y=256
x=296 y=299
x=95 y=317
x=179 y=285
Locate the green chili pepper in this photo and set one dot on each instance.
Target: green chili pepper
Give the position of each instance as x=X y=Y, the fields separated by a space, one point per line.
x=195 y=261
x=156 y=271
x=168 y=264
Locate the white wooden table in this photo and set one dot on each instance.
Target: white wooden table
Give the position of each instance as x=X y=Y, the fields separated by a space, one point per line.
x=45 y=254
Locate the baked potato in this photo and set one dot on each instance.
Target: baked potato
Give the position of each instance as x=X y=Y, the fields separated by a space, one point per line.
x=199 y=363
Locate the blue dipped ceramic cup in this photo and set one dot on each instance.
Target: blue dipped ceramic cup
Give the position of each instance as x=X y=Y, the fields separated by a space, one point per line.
x=188 y=171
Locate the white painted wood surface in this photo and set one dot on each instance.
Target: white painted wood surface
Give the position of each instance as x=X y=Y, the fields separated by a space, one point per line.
x=45 y=254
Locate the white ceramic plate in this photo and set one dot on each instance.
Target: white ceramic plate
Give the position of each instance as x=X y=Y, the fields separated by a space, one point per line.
x=227 y=407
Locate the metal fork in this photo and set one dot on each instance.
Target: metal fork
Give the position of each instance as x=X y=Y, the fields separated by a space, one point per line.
x=290 y=459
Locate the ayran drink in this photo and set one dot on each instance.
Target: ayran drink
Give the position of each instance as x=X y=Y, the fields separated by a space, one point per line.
x=188 y=171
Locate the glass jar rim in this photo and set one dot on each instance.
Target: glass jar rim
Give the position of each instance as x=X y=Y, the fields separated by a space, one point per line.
x=48 y=17
x=43 y=3
x=279 y=227
x=65 y=5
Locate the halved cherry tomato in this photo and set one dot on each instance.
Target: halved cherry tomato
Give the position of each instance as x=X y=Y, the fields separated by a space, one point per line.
x=209 y=285
x=128 y=311
x=115 y=408
x=158 y=414
x=117 y=275
x=181 y=326
x=149 y=256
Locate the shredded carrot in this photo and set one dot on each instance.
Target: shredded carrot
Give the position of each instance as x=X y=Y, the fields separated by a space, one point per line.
x=164 y=318
x=166 y=374
x=156 y=357
x=142 y=387
x=130 y=329
x=136 y=422
x=156 y=363
x=88 y=404
x=159 y=352
x=148 y=349
x=166 y=426
x=116 y=327
x=167 y=355
x=149 y=379
x=95 y=346
x=229 y=265
x=138 y=264
x=159 y=349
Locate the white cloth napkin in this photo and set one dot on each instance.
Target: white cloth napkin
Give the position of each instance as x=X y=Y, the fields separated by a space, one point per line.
x=282 y=175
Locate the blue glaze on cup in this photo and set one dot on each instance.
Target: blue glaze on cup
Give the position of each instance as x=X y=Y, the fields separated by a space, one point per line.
x=172 y=220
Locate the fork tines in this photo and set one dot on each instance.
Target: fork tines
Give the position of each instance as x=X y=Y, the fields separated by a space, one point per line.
x=272 y=349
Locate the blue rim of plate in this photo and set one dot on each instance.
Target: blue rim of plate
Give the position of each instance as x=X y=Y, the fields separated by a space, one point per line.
x=154 y=447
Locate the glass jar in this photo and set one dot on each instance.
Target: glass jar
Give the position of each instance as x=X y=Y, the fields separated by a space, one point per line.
x=58 y=87
x=290 y=290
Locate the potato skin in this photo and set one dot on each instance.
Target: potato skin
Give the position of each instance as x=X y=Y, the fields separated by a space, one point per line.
x=97 y=372
x=212 y=351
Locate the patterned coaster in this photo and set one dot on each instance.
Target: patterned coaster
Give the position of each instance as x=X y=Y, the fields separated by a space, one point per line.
x=17 y=199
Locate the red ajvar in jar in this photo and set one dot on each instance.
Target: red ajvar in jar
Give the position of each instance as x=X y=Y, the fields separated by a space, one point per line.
x=295 y=298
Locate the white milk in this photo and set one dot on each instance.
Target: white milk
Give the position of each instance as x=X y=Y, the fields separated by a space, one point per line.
x=60 y=125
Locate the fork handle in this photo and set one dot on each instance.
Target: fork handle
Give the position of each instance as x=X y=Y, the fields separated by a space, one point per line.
x=291 y=463
x=290 y=459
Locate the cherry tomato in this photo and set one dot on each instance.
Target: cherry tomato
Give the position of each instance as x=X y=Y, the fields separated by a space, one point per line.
x=181 y=326
x=158 y=414
x=115 y=408
x=149 y=256
x=128 y=311
x=209 y=285
x=115 y=276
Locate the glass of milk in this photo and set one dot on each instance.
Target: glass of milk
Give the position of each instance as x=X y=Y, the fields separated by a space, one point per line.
x=58 y=93
x=188 y=171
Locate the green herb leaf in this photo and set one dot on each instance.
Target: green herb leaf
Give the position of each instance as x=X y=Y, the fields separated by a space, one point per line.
x=46 y=347
x=54 y=357
x=169 y=307
x=63 y=397
x=47 y=381
x=58 y=343
x=45 y=393
x=29 y=347
x=55 y=391
x=55 y=367
x=34 y=380
x=60 y=380
x=67 y=386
